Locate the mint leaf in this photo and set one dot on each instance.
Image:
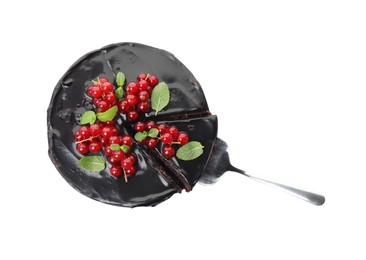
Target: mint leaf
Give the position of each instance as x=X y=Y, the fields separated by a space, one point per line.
x=160 y=97
x=125 y=148
x=88 y=117
x=119 y=92
x=114 y=147
x=190 y=151
x=139 y=136
x=153 y=132
x=120 y=79
x=92 y=163
x=108 y=115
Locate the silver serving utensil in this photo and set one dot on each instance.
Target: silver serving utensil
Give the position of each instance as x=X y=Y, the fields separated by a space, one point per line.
x=219 y=163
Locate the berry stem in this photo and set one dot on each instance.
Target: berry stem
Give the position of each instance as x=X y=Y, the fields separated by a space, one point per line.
x=125 y=175
x=88 y=139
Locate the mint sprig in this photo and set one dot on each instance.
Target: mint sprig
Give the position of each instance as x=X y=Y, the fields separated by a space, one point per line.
x=190 y=151
x=120 y=79
x=114 y=147
x=124 y=148
x=88 y=117
x=107 y=115
x=119 y=92
x=92 y=163
x=139 y=136
x=153 y=133
x=160 y=97
x=117 y=147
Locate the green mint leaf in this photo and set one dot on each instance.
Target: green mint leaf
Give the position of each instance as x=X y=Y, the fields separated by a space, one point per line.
x=153 y=132
x=190 y=151
x=114 y=147
x=160 y=97
x=88 y=117
x=92 y=163
x=119 y=92
x=139 y=136
x=108 y=115
x=125 y=148
x=120 y=79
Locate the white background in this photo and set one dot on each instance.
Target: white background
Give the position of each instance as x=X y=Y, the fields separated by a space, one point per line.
x=287 y=80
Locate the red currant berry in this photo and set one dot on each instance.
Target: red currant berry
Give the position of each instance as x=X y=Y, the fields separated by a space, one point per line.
x=82 y=148
x=115 y=131
x=109 y=123
x=168 y=151
x=126 y=163
x=167 y=138
x=127 y=140
x=143 y=106
x=149 y=90
x=108 y=151
x=143 y=95
x=107 y=87
x=96 y=101
x=150 y=124
x=123 y=106
x=143 y=142
x=132 y=115
x=132 y=88
x=139 y=126
x=131 y=171
x=162 y=128
x=141 y=76
x=103 y=105
x=107 y=132
x=115 y=171
x=95 y=147
x=89 y=91
x=113 y=161
x=153 y=81
x=132 y=158
x=114 y=140
x=78 y=137
x=174 y=131
x=131 y=99
x=95 y=129
x=110 y=98
x=103 y=80
x=104 y=141
x=114 y=103
x=152 y=143
x=182 y=138
x=143 y=84
x=118 y=155
x=84 y=131
x=95 y=92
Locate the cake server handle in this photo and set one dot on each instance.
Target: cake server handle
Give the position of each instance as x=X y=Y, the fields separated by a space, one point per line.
x=313 y=198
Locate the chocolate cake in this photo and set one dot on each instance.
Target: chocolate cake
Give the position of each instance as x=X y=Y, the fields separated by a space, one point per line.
x=157 y=178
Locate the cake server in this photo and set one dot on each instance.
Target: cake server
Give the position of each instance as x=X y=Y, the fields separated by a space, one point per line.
x=219 y=163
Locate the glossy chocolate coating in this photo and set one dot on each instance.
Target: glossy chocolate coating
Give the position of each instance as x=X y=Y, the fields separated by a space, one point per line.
x=187 y=110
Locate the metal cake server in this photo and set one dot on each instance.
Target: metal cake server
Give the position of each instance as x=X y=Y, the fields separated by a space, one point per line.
x=219 y=163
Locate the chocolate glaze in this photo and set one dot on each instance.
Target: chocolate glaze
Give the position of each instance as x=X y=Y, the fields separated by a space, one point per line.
x=157 y=178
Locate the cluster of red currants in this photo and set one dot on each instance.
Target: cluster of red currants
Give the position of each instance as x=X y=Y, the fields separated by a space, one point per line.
x=103 y=94
x=102 y=135
x=168 y=135
x=136 y=98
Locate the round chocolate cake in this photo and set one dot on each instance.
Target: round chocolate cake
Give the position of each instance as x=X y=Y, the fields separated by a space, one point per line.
x=156 y=176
